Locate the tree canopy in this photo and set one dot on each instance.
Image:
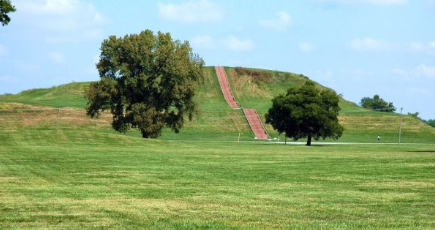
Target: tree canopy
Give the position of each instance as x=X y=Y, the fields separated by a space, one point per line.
x=431 y=122
x=147 y=82
x=306 y=112
x=5 y=8
x=377 y=103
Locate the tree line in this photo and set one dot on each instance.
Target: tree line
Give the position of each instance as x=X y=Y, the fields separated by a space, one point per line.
x=380 y=105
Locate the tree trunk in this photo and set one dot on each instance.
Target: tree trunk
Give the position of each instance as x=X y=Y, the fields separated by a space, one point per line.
x=285 y=140
x=309 y=140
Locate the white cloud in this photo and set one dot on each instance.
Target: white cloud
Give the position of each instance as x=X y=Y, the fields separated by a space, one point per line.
x=372 y=2
x=367 y=44
x=420 y=47
x=203 y=41
x=427 y=71
x=236 y=44
x=56 y=57
x=193 y=11
x=3 y=51
x=421 y=71
x=55 y=7
x=60 y=20
x=281 y=23
x=306 y=47
x=230 y=42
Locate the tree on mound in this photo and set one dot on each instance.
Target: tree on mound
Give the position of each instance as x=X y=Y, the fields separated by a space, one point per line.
x=306 y=112
x=147 y=82
x=377 y=103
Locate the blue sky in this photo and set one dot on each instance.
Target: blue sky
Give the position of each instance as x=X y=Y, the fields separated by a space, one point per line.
x=357 y=47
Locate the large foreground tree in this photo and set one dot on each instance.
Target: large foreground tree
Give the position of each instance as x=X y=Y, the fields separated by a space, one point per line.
x=5 y=8
x=306 y=112
x=147 y=81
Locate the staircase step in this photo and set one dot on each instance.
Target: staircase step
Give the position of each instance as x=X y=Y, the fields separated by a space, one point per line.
x=255 y=124
x=225 y=87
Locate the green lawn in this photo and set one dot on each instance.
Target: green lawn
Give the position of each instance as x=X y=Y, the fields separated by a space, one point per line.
x=62 y=170
x=53 y=179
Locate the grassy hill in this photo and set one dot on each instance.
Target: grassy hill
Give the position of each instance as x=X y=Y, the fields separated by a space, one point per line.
x=252 y=88
x=62 y=170
x=69 y=95
x=361 y=125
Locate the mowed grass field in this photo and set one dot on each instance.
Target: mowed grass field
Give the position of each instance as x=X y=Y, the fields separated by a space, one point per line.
x=97 y=179
x=62 y=170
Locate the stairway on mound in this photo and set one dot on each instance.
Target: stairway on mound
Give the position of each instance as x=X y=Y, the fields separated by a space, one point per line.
x=225 y=87
x=255 y=124
x=250 y=114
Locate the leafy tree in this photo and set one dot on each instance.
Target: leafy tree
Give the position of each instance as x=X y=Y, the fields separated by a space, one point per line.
x=5 y=8
x=147 y=82
x=431 y=122
x=377 y=103
x=416 y=115
x=306 y=112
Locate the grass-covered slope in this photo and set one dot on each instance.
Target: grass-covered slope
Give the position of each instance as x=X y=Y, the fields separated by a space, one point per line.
x=69 y=95
x=62 y=170
x=254 y=90
x=217 y=121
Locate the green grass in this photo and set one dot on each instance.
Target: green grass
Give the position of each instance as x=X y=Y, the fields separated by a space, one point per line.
x=85 y=176
x=62 y=170
x=216 y=121
x=361 y=125
x=69 y=95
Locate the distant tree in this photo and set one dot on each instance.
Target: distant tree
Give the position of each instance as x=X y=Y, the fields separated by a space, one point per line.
x=431 y=122
x=415 y=115
x=377 y=103
x=5 y=8
x=306 y=112
x=147 y=82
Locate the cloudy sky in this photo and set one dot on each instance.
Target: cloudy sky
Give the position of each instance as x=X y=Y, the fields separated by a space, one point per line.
x=357 y=47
